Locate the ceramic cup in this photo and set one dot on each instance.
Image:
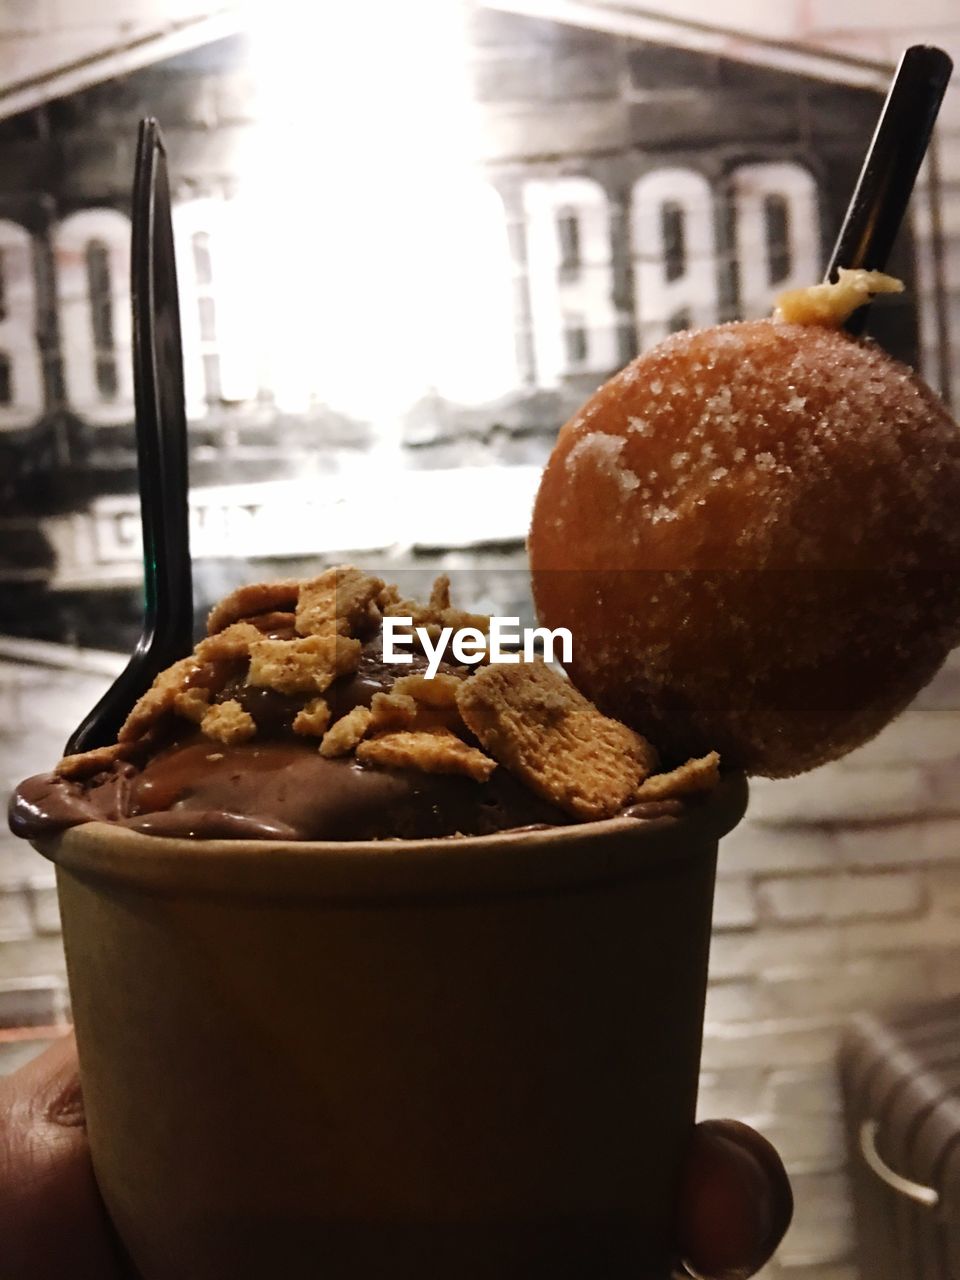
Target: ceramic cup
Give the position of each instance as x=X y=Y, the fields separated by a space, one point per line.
x=472 y=1058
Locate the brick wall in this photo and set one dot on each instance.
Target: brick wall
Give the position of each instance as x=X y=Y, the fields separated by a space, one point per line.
x=840 y=892
x=39 y=704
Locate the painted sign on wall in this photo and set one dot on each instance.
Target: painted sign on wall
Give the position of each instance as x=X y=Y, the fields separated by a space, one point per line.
x=231 y=325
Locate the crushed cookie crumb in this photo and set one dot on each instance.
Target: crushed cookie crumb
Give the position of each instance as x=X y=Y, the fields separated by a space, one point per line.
x=459 y=619
x=192 y=704
x=313 y=719
x=343 y=599
x=440 y=593
x=433 y=616
x=701 y=774
x=341 y=739
x=251 y=600
x=227 y=722
x=392 y=710
x=158 y=699
x=536 y=724
x=439 y=692
x=83 y=764
x=394 y=605
x=430 y=750
x=275 y=620
x=232 y=642
x=388 y=598
x=307 y=665
x=435 y=701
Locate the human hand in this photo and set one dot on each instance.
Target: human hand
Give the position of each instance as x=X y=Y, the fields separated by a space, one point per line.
x=735 y=1202
x=734 y=1208
x=53 y=1225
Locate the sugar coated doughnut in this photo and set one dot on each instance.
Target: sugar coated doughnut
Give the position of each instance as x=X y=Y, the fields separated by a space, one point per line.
x=753 y=533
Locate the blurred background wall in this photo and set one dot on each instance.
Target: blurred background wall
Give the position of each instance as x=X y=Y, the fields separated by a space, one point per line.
x=411 y=240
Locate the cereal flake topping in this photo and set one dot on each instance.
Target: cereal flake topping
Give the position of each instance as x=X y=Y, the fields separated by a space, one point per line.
x=251 y=600
x=526 y=716
x=343 y=736
x=694 y=776
x=431 y=750
x=341 y=600
x=313 y=719
x=227 y=722
x=84 y=764
x=308 y=665
x=542 y=729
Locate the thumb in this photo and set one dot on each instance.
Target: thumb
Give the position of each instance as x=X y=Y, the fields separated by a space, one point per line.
x=52 y=1220
x=735 y=1201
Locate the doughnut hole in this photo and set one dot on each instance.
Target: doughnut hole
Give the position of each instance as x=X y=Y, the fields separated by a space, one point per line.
x=753 y=533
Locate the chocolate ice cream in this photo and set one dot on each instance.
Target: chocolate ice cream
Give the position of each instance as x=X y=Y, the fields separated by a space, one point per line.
x=288 y=723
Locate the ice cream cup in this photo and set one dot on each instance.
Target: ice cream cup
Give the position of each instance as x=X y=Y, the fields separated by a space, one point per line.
x=471 y=1058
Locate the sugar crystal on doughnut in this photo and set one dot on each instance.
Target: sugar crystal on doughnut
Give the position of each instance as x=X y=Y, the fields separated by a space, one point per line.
x=753 y=533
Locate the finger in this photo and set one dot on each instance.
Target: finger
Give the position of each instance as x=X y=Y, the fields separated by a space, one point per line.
x=52 y=1220
x=51 y=1083
x=735 y=1201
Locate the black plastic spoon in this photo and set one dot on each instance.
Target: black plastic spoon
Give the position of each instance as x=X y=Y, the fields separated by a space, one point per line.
x=161 y=429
